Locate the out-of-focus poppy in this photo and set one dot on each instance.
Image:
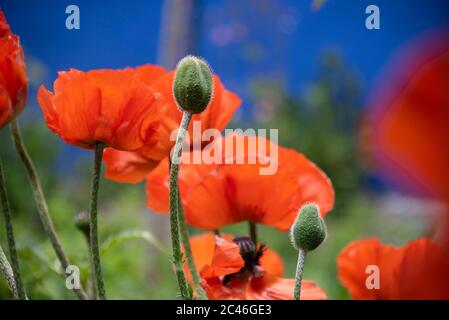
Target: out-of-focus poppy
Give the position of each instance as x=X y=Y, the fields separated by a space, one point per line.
x=409 y=112
x=417 y=270
x=407 y=136
x=121 y=166
x=234 y=190
x=110 y=106
x=13 y=79
x=237 y=269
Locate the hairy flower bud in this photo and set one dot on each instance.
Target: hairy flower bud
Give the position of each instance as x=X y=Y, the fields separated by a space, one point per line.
x=193 y=85
x=308 y=231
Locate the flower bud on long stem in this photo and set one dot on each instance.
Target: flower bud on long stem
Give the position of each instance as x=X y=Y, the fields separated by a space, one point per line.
x=178 y=260
x=307 y=233
x=193 y=85
x=192 y=89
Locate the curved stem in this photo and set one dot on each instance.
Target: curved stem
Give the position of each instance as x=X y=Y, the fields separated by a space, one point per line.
x=178 y=260
x=253 y=232
x=10 y=235
x=188 y=252
x=93 y=221
x=7 y=273
x=41 y=203
x=299 y=273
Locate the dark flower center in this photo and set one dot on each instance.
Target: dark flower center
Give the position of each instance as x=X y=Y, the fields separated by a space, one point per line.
x=251 y=256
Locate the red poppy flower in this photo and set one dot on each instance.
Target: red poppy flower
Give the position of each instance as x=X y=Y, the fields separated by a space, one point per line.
x=234 y=190
x=417 y=270
x=110 y=106
x=409 y=118
x=409 y=139
x=13 y=79
x=127 y=166
x=121 y=167
x=235 y=269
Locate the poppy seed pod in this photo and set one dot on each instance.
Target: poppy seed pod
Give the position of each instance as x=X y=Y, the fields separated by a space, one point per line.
x=308 y=231
x=192 y=86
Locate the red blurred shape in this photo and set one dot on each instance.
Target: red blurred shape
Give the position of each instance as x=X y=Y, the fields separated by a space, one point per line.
x=409 y=120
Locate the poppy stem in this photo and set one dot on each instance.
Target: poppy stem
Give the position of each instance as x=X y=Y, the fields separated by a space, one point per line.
x=92 y=281
x=253 y=232
x=93 y=285
x=8 y=274
x=188 y=252
x=10 y=235
x=93 y=221
x=178 y=260
x=299 y=272
x=82 y=221
x=41 y=203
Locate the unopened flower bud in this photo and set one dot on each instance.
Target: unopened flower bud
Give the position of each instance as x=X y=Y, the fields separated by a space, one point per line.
x=308 y=231
x=193 y=85
x=82 y=222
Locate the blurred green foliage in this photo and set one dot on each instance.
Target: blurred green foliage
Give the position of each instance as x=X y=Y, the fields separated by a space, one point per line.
x=320 y=122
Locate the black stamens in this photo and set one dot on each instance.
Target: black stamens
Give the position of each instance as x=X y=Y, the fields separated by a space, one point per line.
x=251 y=255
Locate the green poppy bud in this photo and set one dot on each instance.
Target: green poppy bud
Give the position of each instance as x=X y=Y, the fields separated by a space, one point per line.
x=308 y=231
x=82 y=222
x=193 y=85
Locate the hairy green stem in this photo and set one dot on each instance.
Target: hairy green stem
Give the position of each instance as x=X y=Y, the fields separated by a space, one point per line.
x=7 y=273
x=93 y=221
x=185 y=238
x=253 y=232
x=93 y=285
x=178 y=260
x=92 y=281
x=41 y=203
x=299 y=272
x=10 y=235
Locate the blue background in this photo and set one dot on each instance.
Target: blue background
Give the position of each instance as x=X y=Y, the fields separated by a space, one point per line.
x=242 y=40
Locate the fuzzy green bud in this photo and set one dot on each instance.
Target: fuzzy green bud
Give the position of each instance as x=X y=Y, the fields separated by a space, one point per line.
x=308 y=231
x=193 y=85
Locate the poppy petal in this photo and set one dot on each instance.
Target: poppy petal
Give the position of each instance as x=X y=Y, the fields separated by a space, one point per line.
x=423 y=271
x=226 y=259
x=109 y=106
x=361 y=258
x=13 y=79
x=272 y=262
x=126 y=166
x=410 y=109
x=275 y=288
x=237 y=192
x=216 y=116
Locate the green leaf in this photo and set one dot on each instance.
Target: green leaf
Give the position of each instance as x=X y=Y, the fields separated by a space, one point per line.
x=38 y=262
x=130 y=235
